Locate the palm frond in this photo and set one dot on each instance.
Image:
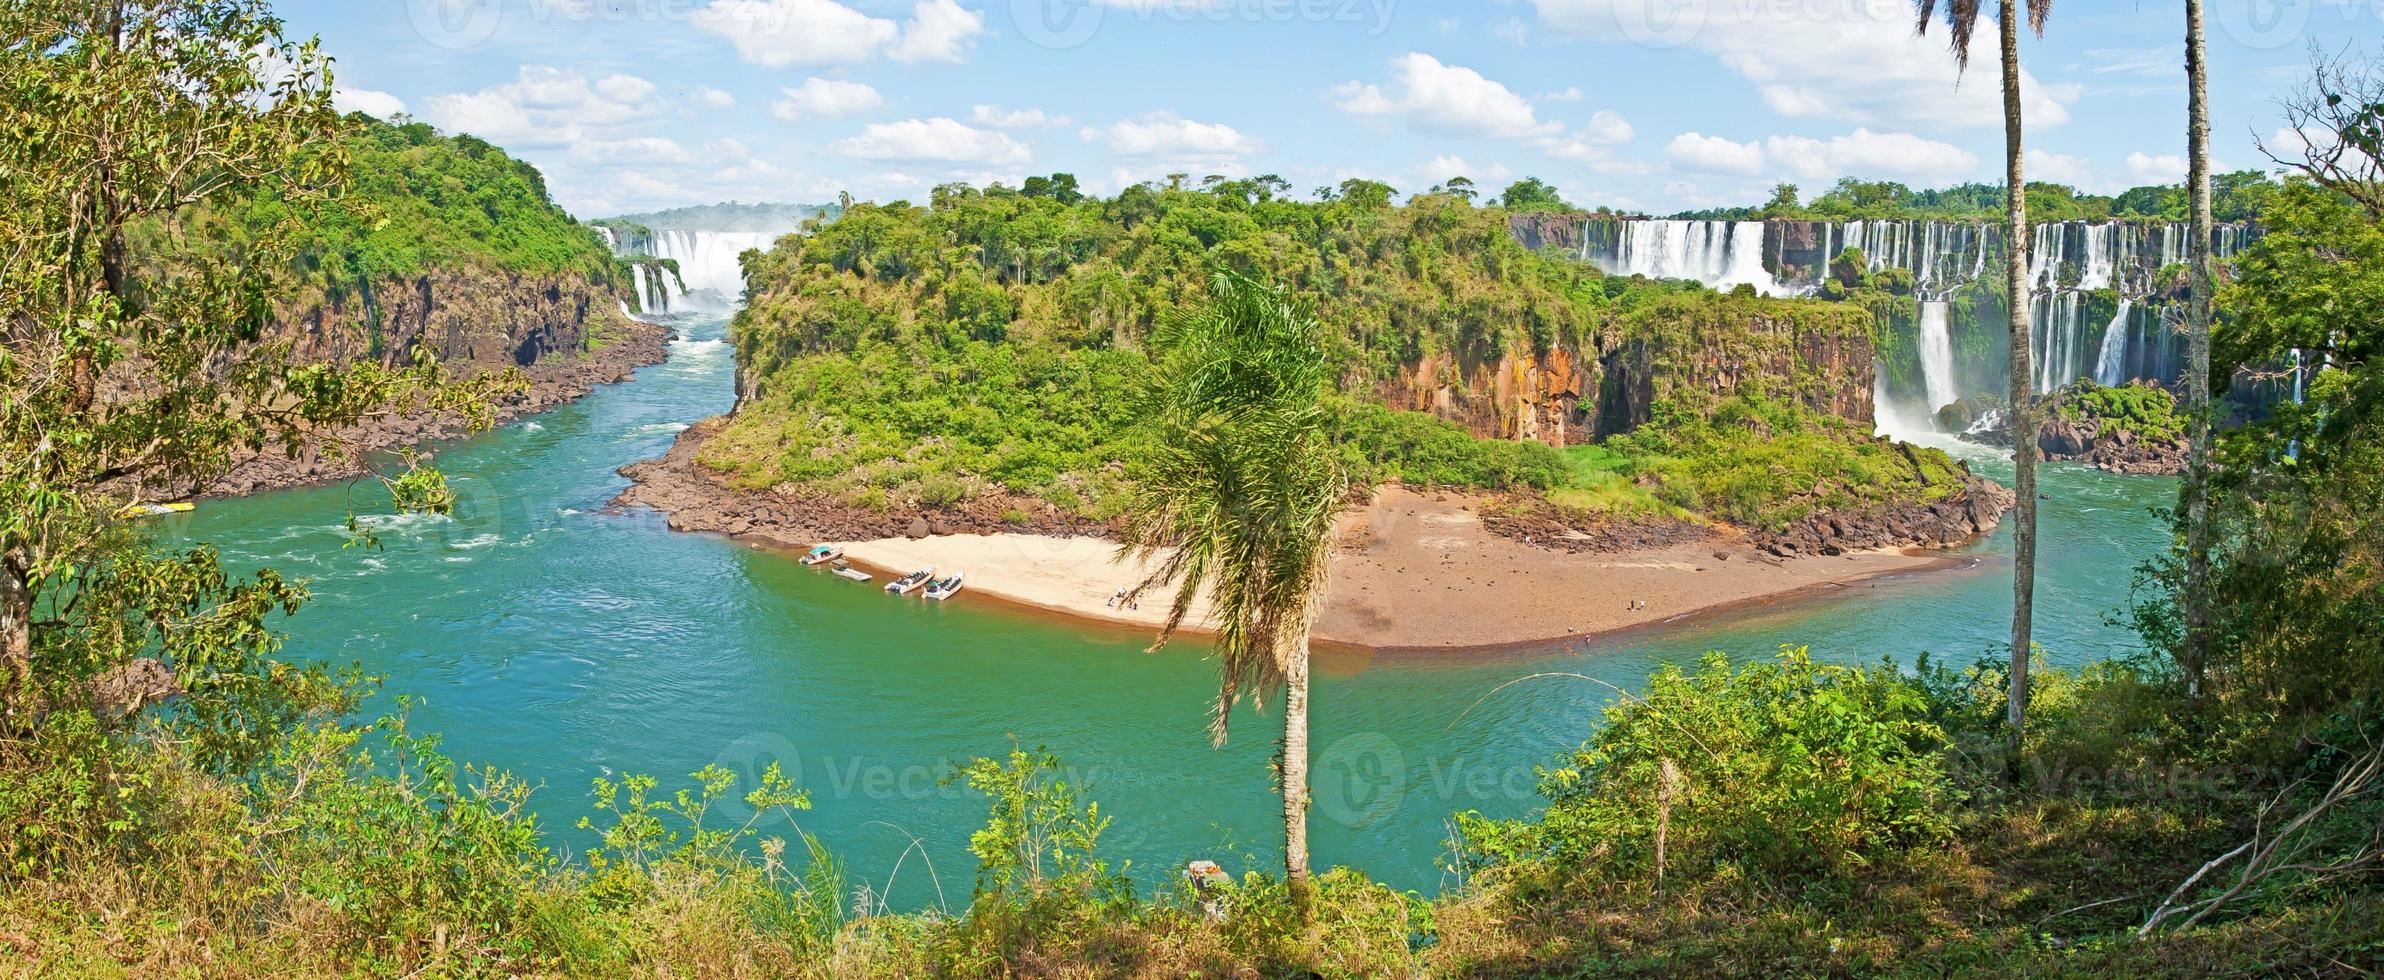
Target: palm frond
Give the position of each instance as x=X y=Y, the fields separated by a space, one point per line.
x=1241 y=485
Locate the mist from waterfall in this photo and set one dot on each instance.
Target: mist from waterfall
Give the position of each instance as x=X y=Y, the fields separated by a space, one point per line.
x=708 y=263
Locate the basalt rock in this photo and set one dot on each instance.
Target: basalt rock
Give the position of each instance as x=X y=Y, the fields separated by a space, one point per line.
x=1958 y=519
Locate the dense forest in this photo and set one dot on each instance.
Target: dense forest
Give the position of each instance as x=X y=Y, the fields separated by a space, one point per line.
x=992 y=339
x=177 y=796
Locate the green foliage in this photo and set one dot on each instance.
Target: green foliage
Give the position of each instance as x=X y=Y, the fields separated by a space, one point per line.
x=1532 y=194
x=2142 y=410
x=1423 y=450
x=1787 y=767
x=1764 y=462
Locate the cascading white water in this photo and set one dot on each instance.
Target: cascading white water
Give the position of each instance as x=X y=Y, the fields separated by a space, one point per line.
x=2111 y=366
x=1937 y=356
x=1721 y=254
x=637 y=276
x=708 y=262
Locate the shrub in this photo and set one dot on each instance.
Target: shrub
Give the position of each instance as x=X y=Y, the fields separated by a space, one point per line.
x=1786 y=767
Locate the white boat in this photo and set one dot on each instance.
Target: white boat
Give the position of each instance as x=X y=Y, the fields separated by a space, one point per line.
x=843 y=570
x=944 y=588
x=823 y=554
x=910 y=583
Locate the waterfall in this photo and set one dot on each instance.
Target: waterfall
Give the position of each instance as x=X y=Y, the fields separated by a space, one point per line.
x=1720 y=254
x=1937 y=356
x=708 y=262
x=2112 y=366
x=637 y=275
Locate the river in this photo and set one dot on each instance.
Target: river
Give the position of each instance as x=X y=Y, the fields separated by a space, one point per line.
x=545 y=637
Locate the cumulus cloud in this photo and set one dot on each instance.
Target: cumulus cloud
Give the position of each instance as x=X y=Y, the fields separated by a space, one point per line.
x=1608 y=126
x=1447 y=100
x=1841 y=59
x=1000 y=118
x=1166 y=134
x=368 y=101
x=823 y=98
x=707 y=97
x=939 y=31
x=545 y=106
x=814 y=33
x=1570 y=93
x=1439 y=169
x=937 y=140
x=1862 y=153
x=2162 y=168
x=2059 y=168
x=1868 y=154
x=1714 y=154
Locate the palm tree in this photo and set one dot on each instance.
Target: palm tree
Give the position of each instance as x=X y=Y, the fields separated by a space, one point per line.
x=1961 y=17
x=2197 y=371
x=1238 y=498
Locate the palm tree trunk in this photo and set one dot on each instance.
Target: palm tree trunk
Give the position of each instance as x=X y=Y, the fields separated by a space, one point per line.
x=1295 y=773
x=2197 y=360
x=2023 y=400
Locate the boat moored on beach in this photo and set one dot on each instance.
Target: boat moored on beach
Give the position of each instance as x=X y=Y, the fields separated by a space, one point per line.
x=823 y=554
x=944 y=588
x=912 y=582
x=845 y=571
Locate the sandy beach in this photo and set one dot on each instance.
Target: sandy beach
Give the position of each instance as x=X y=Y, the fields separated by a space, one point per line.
x=1415 y=571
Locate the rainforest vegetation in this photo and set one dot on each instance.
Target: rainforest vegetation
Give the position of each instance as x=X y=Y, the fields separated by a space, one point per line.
x=996 y=338
x=2196 y=809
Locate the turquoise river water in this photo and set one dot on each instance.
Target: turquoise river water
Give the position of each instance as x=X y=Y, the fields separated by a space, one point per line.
x=547 y=638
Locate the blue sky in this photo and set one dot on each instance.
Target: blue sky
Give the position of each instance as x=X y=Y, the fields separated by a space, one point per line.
x=629 y=105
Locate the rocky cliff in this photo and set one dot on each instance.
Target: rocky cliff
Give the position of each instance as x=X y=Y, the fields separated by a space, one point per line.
x=1695 y=347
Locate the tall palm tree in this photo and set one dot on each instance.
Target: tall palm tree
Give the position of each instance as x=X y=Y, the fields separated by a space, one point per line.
x=2197 y=360
x=1238 y=498
x=1961 y=17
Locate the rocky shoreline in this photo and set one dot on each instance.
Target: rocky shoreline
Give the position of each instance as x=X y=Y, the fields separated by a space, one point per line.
x=553 y=382
x=693 y=498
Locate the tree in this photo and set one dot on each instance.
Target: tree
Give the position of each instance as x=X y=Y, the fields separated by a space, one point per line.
x=1532 y=194
x=1238 y=498
x=2204 y=281
x=1961 y=18
x=1460 y=188
x=1783 y=201
x=134 y=359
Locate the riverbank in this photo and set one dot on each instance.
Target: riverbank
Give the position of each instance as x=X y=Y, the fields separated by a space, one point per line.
x=1411 y=570
x=552 y=383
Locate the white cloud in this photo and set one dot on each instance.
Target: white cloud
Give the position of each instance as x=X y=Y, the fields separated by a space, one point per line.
x=1864 y=153
x=1513 y=32
x=707 y=97
x=1571 y=93
x=2059 y=168
x=546 y=106
x=1856 y=61
x=939 y=31
x=2164 y=168
x=1000 y=118
x=1439 y=169
x=814 y=33
x=2131 y=61
x=1608 y=126
x=1447 y=100
x=641 y=149
x=368 y=101
x=1166 y=134
x=1714 y=154
x=939 y=139
x=820 y=98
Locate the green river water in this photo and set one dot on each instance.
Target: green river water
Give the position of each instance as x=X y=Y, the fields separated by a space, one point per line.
x=544 y=637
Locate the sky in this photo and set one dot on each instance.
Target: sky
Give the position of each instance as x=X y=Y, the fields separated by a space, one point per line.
x=1653 y=105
